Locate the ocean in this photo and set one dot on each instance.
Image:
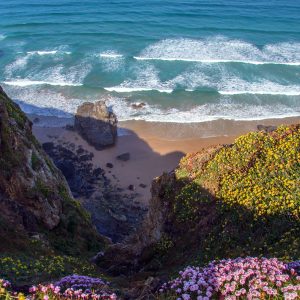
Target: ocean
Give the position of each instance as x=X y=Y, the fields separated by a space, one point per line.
x=187 y=60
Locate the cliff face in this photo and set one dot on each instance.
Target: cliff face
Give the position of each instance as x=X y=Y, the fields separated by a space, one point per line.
x=34 y=196
x=29 y=183
x=227 y=201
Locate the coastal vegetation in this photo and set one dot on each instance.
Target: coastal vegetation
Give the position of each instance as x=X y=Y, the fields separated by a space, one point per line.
x=237 y=200
x=227 y=218
x=240 y=278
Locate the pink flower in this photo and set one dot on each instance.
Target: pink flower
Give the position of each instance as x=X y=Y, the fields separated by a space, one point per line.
x=33 y=289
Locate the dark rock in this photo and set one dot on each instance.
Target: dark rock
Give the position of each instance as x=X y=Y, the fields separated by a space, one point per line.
x=64 y=152
x=97 y=257
x=124 y=156
x=80 y=151
x=48 y=146
x=96 y=124
x=67 y=167
x=142 y=185
x=36 y=120
x=131 y=187
x=138 y=105
x=70 y=127
x=109 y=165
x=266 y=128
x=98 y=172
x=85 y=157
x=112 y=209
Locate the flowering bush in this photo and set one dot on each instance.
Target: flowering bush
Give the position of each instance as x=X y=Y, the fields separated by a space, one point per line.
x=295 y=265
x=90 y=289
x=243 y=197
x=76 y=282
x=5 y=294
x=45 y=268
x=260 y=171
x=240 y=278
x=53 y=292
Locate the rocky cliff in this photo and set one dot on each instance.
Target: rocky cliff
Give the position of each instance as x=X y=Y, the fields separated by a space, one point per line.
x=34 y=197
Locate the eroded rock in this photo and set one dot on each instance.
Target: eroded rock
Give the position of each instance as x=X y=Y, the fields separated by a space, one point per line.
x=96 y=124
x=266 y=128
x=123 y=156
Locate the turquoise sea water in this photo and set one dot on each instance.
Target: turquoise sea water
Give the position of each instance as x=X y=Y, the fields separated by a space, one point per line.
x=188 y=60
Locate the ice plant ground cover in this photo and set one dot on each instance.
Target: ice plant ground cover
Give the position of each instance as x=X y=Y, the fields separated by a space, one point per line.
x=240 y=278
x=70 y=287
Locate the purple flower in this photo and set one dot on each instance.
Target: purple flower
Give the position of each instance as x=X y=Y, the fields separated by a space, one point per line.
x=236 y=278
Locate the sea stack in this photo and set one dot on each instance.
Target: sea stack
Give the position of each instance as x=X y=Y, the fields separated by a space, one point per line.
x=96 y=124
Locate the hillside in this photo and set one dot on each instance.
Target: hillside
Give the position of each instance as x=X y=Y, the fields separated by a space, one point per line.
x=39 y=217
x=223 y=202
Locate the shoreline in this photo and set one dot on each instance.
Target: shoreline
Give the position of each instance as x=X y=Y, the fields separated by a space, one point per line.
x=154 y=147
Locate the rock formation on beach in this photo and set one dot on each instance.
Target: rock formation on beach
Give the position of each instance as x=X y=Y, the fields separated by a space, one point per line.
x=96 y=124
x=113 y=210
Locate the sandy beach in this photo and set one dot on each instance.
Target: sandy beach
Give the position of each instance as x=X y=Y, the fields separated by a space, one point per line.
x=154 y=147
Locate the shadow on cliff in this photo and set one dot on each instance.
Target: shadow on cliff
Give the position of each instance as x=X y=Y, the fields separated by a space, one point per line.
x=188 y=225
x=112 y=208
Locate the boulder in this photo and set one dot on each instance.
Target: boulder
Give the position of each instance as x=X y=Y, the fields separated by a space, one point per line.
x=138 y=105
x=131 y=187
x=266 y=128
x=96 y=124
x=123 y=156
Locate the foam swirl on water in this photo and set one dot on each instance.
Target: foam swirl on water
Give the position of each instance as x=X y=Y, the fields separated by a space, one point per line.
x=27 y=82
x=222 y=50
x=110 y=54
x=52 y=52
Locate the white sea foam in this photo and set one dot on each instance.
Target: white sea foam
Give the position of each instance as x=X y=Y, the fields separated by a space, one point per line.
x=45 y=101
x=262 y=92
x=120 y=89
x=58 y=75
x=221 y=50
x=147 y=79
x=216 y=61
x=18 y=65
x=42 y=100
x=206 y=79
x=202 y=113
x=110 y=55
x=235 y=86
x=52 y=52
x=2 y=37
x=27 y=82
x=111 y=61
x=220 y=79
